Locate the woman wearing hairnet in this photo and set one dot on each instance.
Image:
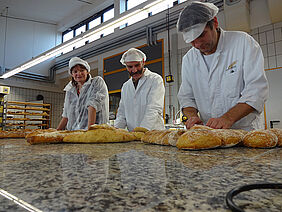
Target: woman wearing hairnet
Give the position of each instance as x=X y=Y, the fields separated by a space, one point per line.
x=142 y=96
x=222 y=74
x=86 y=100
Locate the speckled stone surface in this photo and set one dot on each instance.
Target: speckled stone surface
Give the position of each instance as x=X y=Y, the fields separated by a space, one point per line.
x=135 y=177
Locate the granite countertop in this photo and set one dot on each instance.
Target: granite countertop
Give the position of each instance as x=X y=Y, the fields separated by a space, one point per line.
x=134 y=177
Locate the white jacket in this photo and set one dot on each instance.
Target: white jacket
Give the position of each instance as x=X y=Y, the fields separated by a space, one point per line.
x=236 y=75
x=93 y=93
x=143 y=106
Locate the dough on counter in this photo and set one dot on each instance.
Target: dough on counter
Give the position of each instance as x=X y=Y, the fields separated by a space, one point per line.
x=278 y=133
x=200 y=127
x=172 y=137
x=229 y=137
x=260 y=139
x=198 y=139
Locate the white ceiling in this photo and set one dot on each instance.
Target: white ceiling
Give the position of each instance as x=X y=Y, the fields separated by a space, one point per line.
x=50 y=11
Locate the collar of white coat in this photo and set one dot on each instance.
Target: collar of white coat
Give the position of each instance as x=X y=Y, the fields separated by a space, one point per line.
x=69 y=86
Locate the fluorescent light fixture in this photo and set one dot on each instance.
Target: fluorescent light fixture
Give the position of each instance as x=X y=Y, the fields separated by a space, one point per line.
x=123 y=19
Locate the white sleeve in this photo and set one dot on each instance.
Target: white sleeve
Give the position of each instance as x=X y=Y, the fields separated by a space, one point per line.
x=99 y=93
x=120 y=121
x=155 y=104
x=66 y=104
x=185 y=94
x=255 y=92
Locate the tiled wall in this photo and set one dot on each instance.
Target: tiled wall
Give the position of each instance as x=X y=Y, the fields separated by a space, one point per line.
x=55 y=99
x=270 y=39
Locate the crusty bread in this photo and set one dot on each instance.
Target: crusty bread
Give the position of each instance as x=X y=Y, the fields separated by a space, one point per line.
x=140 y=129
x=149 y=136
x=200 y=127
x=229 y=137
x=138 y=135
x=158 y=138
x=155 y=137
x=244 y=132
x=12 y=134
x=101 y=135
x=260 y=139
x=278 y=133
x=49 y=136
x=198 y=139
x=33 y=132
x=172 y=137
x=101 y=126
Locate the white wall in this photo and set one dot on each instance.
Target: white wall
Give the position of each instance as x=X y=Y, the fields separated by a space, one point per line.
x=24 y=40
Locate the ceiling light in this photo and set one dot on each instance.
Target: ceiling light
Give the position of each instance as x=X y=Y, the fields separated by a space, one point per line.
x=144 y=7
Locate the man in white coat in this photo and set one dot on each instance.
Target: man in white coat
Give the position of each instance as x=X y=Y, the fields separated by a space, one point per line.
x=142 y=96
x=223 y=77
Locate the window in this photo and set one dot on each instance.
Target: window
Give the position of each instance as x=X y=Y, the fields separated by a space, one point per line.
x=133 y=3
x=108 y=15
x=95 y=22
x=77 y=32
x=87 y=24
x=161 y=7
x=67 y=36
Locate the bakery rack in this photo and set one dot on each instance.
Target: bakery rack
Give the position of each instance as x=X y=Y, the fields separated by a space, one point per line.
x=27 y=115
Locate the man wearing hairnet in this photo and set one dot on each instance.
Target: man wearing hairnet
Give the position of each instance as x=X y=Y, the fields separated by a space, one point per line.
x=142 y=96
x=223 y=76
x=86 y=99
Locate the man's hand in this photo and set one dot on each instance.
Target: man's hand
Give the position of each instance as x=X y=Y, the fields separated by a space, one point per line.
x=230 y=117
x=193 y=118
x=192 y=121
x=219 y=123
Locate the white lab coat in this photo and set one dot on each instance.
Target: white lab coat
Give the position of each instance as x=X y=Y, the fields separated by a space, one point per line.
x=143 y=106
x=93 y=93
x=236 y=75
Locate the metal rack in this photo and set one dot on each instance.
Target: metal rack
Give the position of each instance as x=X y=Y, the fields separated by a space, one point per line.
x=22 y=115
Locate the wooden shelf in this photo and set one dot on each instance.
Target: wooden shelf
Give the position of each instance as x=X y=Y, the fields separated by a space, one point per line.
x=22 y=125
x=27 y=108
x=18 y=119
x=29 y=103
x=28 y=114
x=21 y=115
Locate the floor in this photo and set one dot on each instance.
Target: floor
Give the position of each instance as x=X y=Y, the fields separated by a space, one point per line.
x=134 y=177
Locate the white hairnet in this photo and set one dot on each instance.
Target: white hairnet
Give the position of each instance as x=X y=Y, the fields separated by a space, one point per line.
x=132 y=54
x=75 y=61
x=193 y=19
